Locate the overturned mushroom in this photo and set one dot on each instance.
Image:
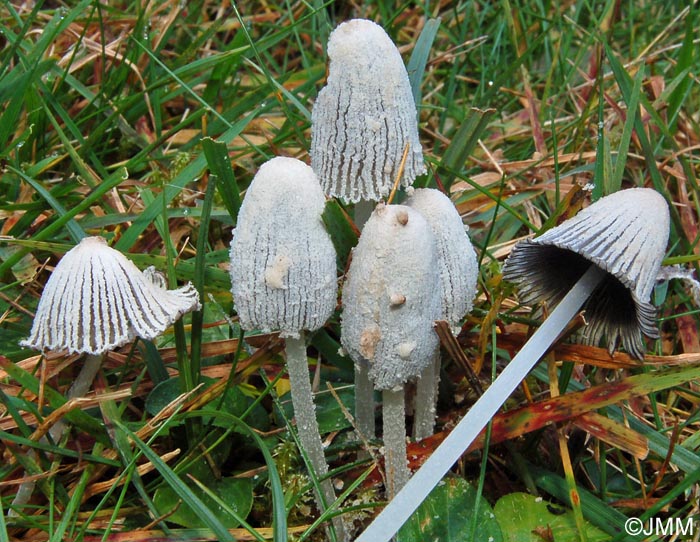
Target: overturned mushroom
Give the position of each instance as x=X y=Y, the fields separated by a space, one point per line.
x=624 y=236
x=456 y=261
x=364 y=117
x=283 y=277
x=619 y=235
x=390 y=300
x=97 y=300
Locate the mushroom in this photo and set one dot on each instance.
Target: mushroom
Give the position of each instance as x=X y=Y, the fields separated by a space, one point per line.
x=621 y=238
x=363 y=123
x=283 y=278
x=97 y=300
x=364 y=117
x=616 y=234
x=456 y=261
x=390 y=300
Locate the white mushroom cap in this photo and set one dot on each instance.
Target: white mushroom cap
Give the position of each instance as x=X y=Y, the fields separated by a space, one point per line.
x=456 y=256
x=364 y=116
x=97 y=300
x=283 y=264
x=392 y=297
x=624 y=234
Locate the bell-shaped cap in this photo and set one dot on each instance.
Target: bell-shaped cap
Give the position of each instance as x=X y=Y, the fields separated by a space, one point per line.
x=456 y=257
x=283 y=264
x=97 y=300
x=364 y=117
x=625 y=234
x=391 y=297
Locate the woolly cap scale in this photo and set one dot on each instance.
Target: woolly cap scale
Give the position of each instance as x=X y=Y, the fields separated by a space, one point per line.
x=283 y=264
x=625 y=234
x=391 y=297
x=364 y=116
x=97 y=300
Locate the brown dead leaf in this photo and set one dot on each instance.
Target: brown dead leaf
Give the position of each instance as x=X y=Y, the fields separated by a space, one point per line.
x=614 y=433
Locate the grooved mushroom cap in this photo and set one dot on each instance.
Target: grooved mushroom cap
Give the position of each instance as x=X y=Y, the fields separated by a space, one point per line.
x=456 y=256
x=625 y=234
x=283 y=264
x=392 y=297
x=97 y=300
x=364 y=116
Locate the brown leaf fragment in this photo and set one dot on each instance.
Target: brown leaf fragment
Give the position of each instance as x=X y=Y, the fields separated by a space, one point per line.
x=688 y=333
x=545 y=533
x=614 y=433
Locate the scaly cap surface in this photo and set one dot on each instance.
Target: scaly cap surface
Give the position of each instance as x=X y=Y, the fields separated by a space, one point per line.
x=364 y=116
x=392 y=297
x=456 y=257
x=283 y=264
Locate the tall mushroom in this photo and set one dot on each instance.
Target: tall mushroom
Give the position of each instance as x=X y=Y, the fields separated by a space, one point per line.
x=456 y=261
x=613 y=248
x=97 y=300
x=364 y=117
x=283 y=278
x=362 y=122
x=390 y=300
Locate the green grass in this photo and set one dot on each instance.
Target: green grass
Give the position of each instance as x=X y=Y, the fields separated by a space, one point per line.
x=145 y=123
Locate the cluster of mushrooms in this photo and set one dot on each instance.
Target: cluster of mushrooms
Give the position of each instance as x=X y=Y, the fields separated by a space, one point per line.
x=413 y=265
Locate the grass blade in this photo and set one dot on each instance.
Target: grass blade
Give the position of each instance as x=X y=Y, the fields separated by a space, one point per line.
x=419 y=57
x=685 y=64
x=174 y=481
x=599 y=513
x=76 y=232
x=219 y=164
x=463 y=144
x=615 y=182
x=191 y=171
x=198 y=282
x=279 y=511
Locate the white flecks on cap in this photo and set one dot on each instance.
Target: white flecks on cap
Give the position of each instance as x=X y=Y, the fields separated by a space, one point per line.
x=97 y=300
x=364 y=117
x=456 y=257
x=283 y=264
x=625 y=234
x=392 y=297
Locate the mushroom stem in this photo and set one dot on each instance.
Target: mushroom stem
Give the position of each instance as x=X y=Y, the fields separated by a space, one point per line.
x=79 y=388
x=82 y=383
x=364 y=402
x=395 y=514
x=394 y=421
x=426 y=399
x=364 y=389
x=307 y=425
